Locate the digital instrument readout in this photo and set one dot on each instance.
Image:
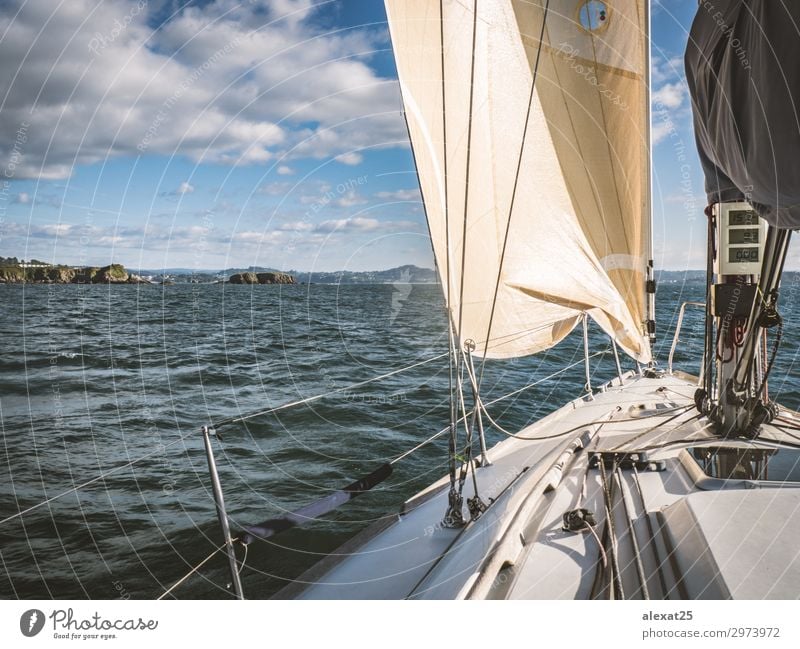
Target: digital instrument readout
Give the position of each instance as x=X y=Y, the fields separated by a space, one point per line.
x=742 y=217
x=743 y=236
x=742 y=255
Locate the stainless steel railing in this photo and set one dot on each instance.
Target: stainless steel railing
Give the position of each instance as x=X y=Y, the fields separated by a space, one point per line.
x=676 y=337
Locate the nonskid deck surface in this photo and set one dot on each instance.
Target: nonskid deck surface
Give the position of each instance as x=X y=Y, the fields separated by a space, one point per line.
x=518 y=549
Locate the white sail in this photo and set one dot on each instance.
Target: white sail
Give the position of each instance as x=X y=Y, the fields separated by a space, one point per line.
x=557 y=209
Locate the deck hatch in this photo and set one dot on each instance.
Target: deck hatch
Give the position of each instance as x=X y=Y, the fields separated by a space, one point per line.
x=738 y=463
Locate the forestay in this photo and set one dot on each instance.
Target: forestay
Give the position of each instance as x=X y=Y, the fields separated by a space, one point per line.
x=537 y=203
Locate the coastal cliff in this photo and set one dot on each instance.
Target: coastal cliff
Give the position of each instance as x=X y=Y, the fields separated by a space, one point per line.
x=262 y=278
x=111 y=274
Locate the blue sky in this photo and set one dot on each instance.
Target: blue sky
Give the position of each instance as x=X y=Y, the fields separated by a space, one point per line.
x=227 y=133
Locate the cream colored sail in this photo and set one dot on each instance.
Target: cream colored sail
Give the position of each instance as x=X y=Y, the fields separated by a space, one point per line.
x=572 y=187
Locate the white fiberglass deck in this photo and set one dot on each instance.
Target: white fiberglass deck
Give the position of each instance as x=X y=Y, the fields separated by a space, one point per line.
x=683 y=534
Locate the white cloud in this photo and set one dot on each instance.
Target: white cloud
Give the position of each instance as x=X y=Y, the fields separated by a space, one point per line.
x=285 y=170
x=400 y=195
x=670 y=95
x=666 y=68
x=671 y=109
x=296 y=226
x=661 y=130
x=350 y=199
x=184 y=188
x=226 y=82
x=275 y=189
x=354 y=224
x=350 y=158
x=39 y=199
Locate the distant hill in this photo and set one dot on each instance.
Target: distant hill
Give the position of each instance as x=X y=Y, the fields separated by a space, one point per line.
x=407 y=274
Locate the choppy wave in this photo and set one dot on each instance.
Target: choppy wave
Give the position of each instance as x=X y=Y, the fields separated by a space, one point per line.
x=93 y=378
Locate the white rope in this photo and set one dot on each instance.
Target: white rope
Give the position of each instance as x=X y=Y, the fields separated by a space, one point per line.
x=482 y=407
x=421 y=444
x=492 y=402
x=537 y=382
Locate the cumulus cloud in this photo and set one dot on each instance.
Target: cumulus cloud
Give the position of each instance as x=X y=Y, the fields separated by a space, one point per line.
x=670 y=95
x=349 y=199
x=185 y=188
x=275 y=189
x=350 y=158
x=225 y=81
x=285 y=170
x=39 y=199
x=160 y=237
x=671 y=110
x=666 y=68
x=356 y=223
x=400 y=195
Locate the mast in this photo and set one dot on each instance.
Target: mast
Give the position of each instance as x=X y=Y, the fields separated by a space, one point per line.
x=752 y=196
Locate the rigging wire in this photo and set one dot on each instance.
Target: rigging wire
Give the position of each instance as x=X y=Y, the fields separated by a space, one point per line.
x=194 y=570
x=317 y=397
x=514 y=191
x=102 y=476
x=680 y=411
x=105 y=474
x=453 y=440
x=467 y=170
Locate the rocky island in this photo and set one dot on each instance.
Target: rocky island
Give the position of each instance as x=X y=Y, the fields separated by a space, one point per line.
x=41 y=273
x=262 y=278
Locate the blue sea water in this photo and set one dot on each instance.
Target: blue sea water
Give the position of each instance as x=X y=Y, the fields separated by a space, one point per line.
x=95 y=377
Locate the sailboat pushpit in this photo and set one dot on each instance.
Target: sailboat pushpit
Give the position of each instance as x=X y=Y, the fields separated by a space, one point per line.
x=529 y=123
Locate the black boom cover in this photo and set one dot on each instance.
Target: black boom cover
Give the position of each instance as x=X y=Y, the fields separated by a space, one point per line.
x=743 y=71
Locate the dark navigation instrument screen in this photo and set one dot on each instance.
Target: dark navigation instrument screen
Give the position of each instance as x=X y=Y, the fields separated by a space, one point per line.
x=742 y=255
x=742 y=217
x=743 y=236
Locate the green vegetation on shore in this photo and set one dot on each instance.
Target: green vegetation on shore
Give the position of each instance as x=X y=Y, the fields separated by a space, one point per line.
x=13 y=271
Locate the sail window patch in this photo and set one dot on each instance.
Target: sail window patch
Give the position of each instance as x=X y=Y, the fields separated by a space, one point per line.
x=593 y=15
